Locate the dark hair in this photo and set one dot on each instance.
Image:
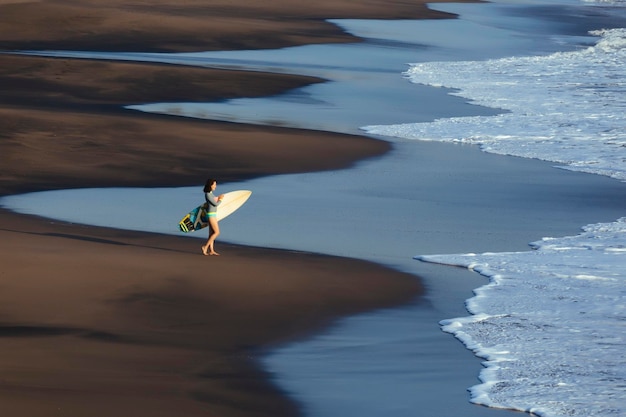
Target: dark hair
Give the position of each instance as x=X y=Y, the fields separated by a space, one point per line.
x=208 y=184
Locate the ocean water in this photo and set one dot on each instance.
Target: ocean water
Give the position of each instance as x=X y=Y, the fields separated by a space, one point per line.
x=551 y=324
x=566 y=107
x=365 y=84
x=439 y=197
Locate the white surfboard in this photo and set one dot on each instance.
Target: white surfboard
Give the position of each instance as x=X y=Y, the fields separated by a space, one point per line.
x=231 y=202
x=197 y=218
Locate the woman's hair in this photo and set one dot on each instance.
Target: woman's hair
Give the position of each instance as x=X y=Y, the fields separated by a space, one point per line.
x=208 y=184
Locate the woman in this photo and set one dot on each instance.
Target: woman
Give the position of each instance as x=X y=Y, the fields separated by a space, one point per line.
x=214 y=229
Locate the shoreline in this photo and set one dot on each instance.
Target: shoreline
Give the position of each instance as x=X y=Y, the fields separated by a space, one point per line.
x=135 y=322
x=157 y=26
x=78 y=135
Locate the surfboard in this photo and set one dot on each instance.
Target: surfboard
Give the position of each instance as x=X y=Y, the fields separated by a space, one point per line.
x=197 y=218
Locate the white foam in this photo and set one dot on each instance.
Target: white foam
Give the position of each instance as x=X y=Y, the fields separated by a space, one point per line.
x=566 y=107
x=551 y=325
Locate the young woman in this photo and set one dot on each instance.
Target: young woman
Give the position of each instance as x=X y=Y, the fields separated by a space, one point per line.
x=214 y=228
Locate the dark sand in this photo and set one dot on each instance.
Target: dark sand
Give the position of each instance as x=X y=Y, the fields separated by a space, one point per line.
x=103 y=322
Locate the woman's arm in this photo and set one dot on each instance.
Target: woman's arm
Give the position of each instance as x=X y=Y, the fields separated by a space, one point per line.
x=210 y=198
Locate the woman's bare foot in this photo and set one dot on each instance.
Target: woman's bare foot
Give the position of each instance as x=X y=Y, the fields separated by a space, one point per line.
x=204 y=250
x=214 y=253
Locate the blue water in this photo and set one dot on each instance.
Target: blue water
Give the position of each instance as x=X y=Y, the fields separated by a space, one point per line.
x=437 y=198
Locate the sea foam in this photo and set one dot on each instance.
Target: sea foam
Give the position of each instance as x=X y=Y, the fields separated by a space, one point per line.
x=551 y=324
x=566 y=107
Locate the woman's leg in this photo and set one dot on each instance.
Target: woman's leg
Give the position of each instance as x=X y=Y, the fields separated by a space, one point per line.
x=214 y=232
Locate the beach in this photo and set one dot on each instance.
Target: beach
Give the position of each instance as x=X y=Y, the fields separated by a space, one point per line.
x=135 y=317
x=99 y=321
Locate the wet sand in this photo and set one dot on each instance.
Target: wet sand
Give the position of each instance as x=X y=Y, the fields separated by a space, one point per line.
x=103 y=322
x=63 y=127
x=97 y=321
